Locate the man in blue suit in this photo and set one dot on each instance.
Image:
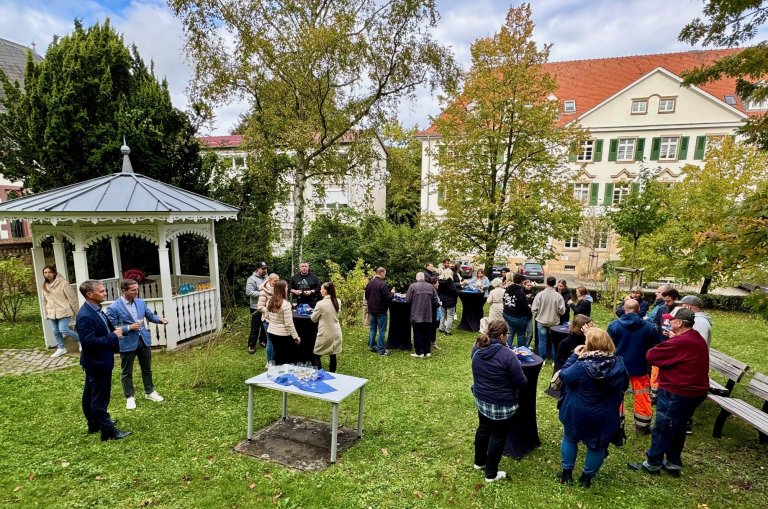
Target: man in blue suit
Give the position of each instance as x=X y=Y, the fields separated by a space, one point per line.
x=128 y=313
x=99 y=340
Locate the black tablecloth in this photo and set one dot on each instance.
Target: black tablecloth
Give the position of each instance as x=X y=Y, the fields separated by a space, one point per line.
x=307 y=330
x=471 y=310
x=557 y=334
x=523 y=436
x=399 y=336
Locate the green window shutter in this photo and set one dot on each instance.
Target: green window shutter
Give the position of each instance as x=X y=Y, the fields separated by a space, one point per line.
x=655 y=148
x=594 y=189
x=613 y=148
x=572 y=156
x=635 y=187
x=598 y=155
x=441 y=195
x=639 y=149
x=682 y=151
x=701 y=144
x=608 y=200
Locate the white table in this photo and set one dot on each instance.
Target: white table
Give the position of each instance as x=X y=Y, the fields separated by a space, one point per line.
x=344 y=385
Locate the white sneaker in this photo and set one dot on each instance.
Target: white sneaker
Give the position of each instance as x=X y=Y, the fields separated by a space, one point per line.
x=499 y=475
x=80 y=346
x=58 y=353
x=154 y=396
x=427 y=355
x=130 y=403
x=419 y=355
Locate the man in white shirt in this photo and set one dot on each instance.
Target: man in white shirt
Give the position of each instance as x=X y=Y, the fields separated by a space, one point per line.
x=547 y=307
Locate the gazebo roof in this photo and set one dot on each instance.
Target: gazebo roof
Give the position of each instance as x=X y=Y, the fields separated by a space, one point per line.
x=124 y=196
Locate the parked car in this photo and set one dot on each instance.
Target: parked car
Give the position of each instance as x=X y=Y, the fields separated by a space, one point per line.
x=466 y=270
x=533 y=271
x=496 y=270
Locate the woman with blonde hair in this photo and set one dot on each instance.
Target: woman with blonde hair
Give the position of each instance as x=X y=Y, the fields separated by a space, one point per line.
x=60 y=303
x=496 y=300
x=326 y=315
x=497 y=375
x=593 y=380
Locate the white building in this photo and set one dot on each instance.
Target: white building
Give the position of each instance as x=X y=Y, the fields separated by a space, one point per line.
x=360 y=194
x=639 y=116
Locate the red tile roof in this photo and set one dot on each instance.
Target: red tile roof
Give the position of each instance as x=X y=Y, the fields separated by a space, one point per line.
x=232 y=141
x=590 y=82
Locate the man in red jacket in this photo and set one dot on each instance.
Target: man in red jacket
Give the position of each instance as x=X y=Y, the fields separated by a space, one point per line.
x=683 y=362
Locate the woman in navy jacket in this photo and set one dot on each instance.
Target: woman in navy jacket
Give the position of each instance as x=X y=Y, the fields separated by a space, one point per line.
x=594 y=381
x=497 y=375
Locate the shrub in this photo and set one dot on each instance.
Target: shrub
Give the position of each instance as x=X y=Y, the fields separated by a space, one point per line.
x=15 y=284
x=350 y=290
x=757 y=302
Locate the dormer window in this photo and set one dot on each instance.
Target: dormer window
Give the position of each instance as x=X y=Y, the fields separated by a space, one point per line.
x=570 y=106
x=757 y=105
x=667 y=105
x=639 y=106
x=730 y=100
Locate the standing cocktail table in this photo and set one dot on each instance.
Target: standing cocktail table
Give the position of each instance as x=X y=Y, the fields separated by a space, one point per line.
x=344 y=385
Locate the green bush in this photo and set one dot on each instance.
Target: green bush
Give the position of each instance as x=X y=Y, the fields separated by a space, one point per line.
x=350 y=290
x=757 y=302
x=708 y=301
x=15 y=284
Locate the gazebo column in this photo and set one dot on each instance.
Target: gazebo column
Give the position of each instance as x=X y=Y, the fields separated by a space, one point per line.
x=80 y=260
x=117 y=263
x=60 y=258
x=38 y=262
x=175 y=256
x=169 y=304
x=213 y=273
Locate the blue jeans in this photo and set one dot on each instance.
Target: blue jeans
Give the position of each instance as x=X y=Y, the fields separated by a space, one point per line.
x=668 y=437
x=517 y=326
x=61 y=328
x=270 y=349
x=378 y=323
x=569 y=449
x=545 y=343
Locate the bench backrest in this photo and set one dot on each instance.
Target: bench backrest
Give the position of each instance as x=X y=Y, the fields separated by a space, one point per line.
x=731 y=368
x=759 y=386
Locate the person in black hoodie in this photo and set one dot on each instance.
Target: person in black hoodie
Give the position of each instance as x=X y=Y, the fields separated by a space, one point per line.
x=517 y=311
x=497 y=375
x=562 y=289
x=378 y=295
x=574 y=339
x=447 y=293
x=582 y=306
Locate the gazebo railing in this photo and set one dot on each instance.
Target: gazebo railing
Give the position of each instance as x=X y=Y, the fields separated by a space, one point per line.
x=195 y=313
x=157 y=331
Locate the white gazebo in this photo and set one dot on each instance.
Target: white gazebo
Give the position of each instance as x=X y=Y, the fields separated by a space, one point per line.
x=128 y=204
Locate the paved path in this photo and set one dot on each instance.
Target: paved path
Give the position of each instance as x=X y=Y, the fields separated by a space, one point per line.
x=22 y=361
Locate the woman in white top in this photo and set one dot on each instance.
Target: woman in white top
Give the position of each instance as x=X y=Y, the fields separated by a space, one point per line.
x=281 y=331
x=496 y=301
x=326 y=315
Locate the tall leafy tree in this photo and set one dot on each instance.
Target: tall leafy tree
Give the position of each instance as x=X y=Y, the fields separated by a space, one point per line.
x=320 y=76
x=713 y=234
x=640 y=213
x=67 y=123
x=731 y=23
x=502 y=182
x=404 y=169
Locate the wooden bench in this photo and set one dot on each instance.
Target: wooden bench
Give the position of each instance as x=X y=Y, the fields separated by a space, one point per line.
x=755 y=417
x=732 y=369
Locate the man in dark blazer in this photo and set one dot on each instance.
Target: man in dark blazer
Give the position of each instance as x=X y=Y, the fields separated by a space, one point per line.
x=98 y=359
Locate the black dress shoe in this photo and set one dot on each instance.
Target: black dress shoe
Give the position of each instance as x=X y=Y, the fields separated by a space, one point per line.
x=92 y=430
x=115 y=435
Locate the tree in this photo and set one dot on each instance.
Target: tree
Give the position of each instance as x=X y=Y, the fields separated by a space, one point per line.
x=320 y=76
x=714 y=231
x=593 y=233
x=90 y=91
x=502 y=181
x=404 y=168
x=640 y=213
x=729 y=23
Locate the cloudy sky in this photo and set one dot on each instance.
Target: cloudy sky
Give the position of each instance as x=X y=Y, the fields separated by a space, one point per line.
x=578 y=29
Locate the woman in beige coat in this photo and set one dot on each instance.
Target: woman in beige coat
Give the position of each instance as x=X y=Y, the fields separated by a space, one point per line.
x=495 y=299
x=281 y=331
x=265 y=293
x=60 y=303
x=326 y=315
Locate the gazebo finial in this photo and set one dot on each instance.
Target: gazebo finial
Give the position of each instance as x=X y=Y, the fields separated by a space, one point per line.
x=127 y=168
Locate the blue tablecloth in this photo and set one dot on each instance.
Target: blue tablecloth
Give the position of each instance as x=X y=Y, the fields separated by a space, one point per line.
x=318 y=386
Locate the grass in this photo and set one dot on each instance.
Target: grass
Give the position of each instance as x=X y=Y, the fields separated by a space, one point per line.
x=416 y=452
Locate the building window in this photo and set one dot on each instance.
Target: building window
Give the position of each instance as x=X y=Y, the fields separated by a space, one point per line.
x=602 y=241
x=757 y=105
x=639 y=106
x=572 y=242
x=570 y=106
x=626 y=149
x=570 y=268
x=619 y=192
x=587 y=151
x=730 y=100
x=667 y=105
x=668 y=148
x=581 y=193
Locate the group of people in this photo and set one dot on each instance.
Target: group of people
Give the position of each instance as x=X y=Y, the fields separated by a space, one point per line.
x=594 y=368
x=272 y=324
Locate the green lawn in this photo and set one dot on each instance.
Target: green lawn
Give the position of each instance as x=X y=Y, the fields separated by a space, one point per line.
x=416 y=452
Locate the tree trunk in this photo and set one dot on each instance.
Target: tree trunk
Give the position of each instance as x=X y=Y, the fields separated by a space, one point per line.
x=705 y=285
x=634 y=252
x=298 y=215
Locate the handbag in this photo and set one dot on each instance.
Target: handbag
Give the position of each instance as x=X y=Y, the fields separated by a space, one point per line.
x=619 y=437
x=555 y=383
